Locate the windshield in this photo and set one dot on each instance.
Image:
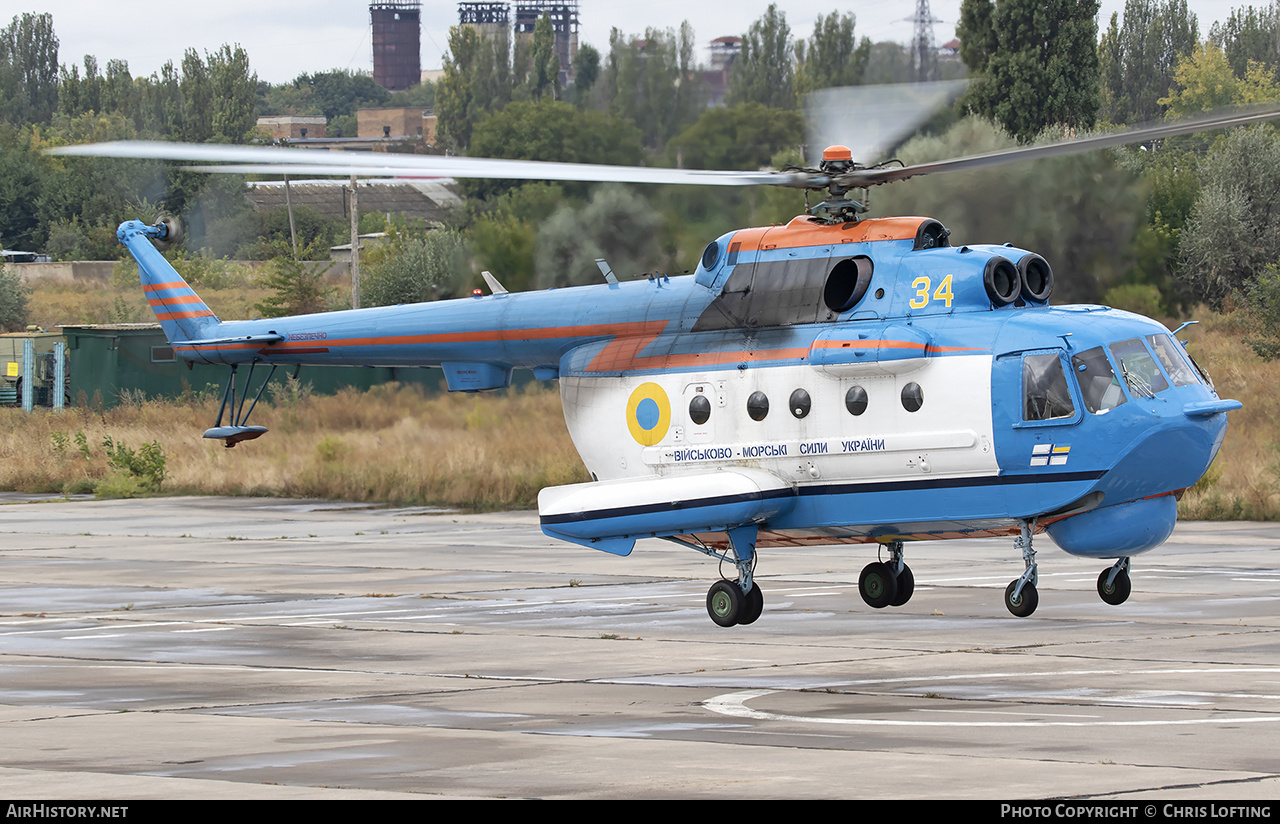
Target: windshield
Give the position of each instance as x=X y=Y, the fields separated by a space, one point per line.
x=1175 y=363
x=1138 y=368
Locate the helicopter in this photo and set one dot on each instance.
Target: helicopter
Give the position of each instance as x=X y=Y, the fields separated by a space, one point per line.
x=839 y=379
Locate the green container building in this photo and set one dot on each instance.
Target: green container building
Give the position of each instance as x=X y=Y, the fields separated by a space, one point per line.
x=106 y=359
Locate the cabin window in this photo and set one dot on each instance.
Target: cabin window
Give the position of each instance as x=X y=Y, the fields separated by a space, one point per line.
x=855 y=400
x=1175 y=363
x=912 y=397
x=699 y=409
x=758 y=406
x=1045 y=394
x=1098 y=383
x=1137 y=368
x=800 y=403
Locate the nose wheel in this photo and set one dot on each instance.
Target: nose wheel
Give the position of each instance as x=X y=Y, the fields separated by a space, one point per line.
x=1114 y=585
x=1020 y=597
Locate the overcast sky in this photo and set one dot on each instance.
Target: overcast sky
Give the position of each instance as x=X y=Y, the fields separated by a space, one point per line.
x=285 y=38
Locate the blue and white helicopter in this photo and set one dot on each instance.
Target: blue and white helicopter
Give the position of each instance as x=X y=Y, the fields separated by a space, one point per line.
x=838 y=379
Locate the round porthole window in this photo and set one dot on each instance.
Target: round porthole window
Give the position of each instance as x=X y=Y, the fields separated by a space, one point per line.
x=912 y=397
x=758 y=406
x=699 y=409
x=800 y=403
x=855 y=400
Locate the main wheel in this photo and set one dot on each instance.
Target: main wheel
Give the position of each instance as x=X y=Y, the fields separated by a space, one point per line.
x=878 y=585
x=753 y=605
x=725 y=603
x=1025 y=603
x=906 y=586
x=1119 y=590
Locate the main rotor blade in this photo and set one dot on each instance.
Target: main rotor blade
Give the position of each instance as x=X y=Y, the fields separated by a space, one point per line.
x=273 y=160
x=861 y=178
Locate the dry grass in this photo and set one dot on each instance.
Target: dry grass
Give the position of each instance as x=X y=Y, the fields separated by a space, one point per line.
x=1244 y=481
x=388 y=445
x=54 y=305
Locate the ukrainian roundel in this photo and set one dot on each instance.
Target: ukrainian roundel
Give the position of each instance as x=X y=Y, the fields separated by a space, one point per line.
x=648 y=414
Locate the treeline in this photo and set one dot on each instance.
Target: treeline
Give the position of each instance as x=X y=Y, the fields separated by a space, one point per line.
x=1153 y=228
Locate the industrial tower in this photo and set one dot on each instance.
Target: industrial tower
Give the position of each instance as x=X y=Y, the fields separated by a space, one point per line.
x=397 y=58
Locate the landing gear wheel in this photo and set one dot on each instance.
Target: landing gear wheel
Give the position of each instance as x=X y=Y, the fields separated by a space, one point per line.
x=906 y=586
x=752 y=606
x=725 y=603
x=1119 y=590
x=1025 y=603
x=878 y=585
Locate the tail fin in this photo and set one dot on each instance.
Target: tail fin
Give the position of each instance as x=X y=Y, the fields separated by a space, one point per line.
x=181 y=312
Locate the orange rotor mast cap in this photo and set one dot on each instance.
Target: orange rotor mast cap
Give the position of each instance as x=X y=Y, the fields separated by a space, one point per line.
x=837 y=153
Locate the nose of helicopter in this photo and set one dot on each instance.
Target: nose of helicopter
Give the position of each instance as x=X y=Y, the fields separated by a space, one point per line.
x=1172 y=453
x=1138 y=512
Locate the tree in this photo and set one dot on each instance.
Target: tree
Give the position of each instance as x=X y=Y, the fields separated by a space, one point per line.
x=477 y=81
x=832 y=56
x=744 y=136
x=764 y=71
x=616 y=224
x=1137 y=60
x=1249 y=35
x=13 y=301
x=414 y=268
x=234 y=94
x=1234 y=230
x=1262 y=309
x=297 y=287
x=1044 y=68
x=1204 y=81
x=544 y=71
x=504 y=233
x=21 y=182
x=555 y=131
x=652 y=82
x=28 y=70
x=977 y=33
x=586 y=70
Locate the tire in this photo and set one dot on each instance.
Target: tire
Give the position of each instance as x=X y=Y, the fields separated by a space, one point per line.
x=725 y=602
x=1027 y=601
x=753 y=605
x=1118 y=592
x=878 y=585
x=906 y=586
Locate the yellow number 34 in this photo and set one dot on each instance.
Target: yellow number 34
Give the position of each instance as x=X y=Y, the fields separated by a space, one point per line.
x=922 y=285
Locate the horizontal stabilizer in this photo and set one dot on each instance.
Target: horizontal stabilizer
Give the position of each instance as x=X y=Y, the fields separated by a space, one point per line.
x=263 y=339
x=233 y=435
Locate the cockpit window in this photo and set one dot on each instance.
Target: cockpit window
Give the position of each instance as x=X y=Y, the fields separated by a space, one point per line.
x=1098 y=382
x=1045 y=395
x=1174 y=362
x=1137 y=368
